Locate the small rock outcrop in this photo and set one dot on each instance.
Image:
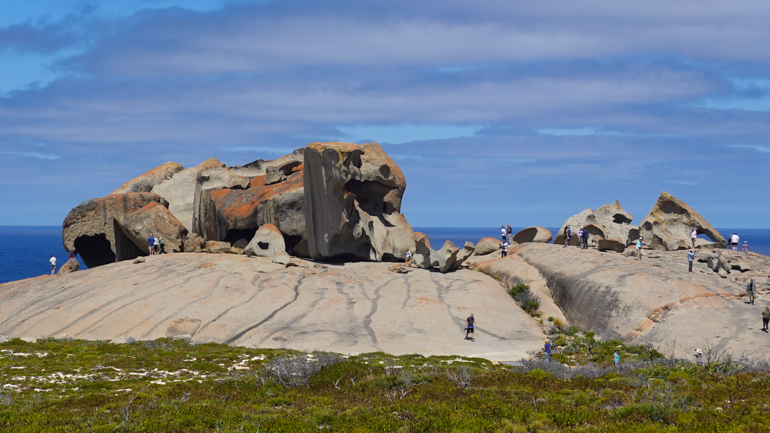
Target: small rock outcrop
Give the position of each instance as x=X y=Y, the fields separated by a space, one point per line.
x=267 y=242
x=70 y=266
x=667 y=227
x=613 y=220
x=611 y=245
x=217 y=247
x=353 y=202
x=445 y=259
x=421 y=255
x=487 y=246
x=533 y=234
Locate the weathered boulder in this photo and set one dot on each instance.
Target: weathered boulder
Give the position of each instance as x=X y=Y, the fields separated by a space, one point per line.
x=70 y=266
x=421 y=255
x=93 y=228
x=155 y=219
x=352 y=203
x=267 y=242
x=147 y=181
x=275 y=174
x=217 y=247
x=464 y=254
x=445 y=259
x=667 y=226
x=611 y=244
x=614 y=221
x=179 y=191
x=533 y=234
x=487 y=246
x=194 y=243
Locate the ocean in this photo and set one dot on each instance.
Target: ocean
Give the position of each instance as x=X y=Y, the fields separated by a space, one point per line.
x=27 y=248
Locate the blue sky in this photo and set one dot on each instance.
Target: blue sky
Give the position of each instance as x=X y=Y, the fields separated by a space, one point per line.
x=496 y=111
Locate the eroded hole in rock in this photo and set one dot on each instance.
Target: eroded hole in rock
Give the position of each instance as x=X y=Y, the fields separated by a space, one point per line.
x=291 y=243
x=94 y=250
x=370 y=197
x=125 y=248
x=619 y=218
x=263 y=245
x=234 y=235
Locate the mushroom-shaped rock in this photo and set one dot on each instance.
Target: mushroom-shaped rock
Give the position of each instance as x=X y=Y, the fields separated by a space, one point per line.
x=148 y=181
x=612 y=218
x=353 y=202
x=487 y=246
x=93 y=228
x=668 y=225
x=421 y=256
x=267 y=242
x=72 y=265
x=179 y=191
x=612 y=244
x=533 y=234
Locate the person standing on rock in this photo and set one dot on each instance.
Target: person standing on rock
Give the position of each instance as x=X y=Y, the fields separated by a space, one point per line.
x=734 y=239
x=580 y=238
x=745 y=246
x=585 y=238
x=693 y=235
x=162 y=245
x=639 y=248
x=470 y=321
x=567 y=235
x=157 y=246
x=691 y=258
x=151 y=244
x=503 y=249
x=509 y=233
x=765 y=318
x=52 y=261
x=502 y=232
x=751 y=291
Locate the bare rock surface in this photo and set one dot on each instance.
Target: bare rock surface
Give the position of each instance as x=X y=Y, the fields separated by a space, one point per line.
x=179 y=191
x=148 y=181
x=533 y=234
x=668 y=225
x=654 y=300
x=353 y=308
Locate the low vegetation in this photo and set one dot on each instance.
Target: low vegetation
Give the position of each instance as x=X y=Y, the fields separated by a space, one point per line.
x=173 y=386
x=525 y=298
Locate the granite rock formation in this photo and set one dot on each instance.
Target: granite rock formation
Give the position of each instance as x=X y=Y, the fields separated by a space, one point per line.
x=533 y=234
x=667 y=227
x=267 y=242
x=487 y=246
x=353 y=202
x=613 y=220
x=148 y=181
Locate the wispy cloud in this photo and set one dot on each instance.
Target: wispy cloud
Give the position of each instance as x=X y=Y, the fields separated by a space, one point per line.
x=405 y=132
x=256 y=149
x=38 y=155
x=763 y=149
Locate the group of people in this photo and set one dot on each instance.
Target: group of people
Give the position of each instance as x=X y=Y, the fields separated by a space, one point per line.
x=582 y=236
x=734 y=240
x=156 y=245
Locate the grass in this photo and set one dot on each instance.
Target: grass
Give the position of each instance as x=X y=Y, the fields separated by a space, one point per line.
x=172 y=386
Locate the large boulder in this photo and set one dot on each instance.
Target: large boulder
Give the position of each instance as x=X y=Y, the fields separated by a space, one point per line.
x=667 y=227
x=533 y=234
x=179 y=191
x=611 y=245
x=72 y=265
x=445 y=259
x=95 y=228
x=614 y=221
x=421 y=255
x=148 y=181
x=267 y=242
x=353 y=202
x=153 y=219
x=487 y=246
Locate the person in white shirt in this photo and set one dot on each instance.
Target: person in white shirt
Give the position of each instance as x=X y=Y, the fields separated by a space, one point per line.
x=734 y=239
x=694 y=235
x=52 y=261
x=504 y=249
x=408 y=258
x=502 y=232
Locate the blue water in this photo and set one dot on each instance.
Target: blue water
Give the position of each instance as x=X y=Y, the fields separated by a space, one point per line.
x=26 y=249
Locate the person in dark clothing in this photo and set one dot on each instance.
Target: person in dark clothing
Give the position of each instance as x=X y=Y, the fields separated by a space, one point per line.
x=751 y=290
x=567 y=235
x=469 y=328
x=765 y=318
x=585 y=238
x=691 y=257
x=504 y=249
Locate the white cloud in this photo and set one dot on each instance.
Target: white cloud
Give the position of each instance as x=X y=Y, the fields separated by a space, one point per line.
x=38 y=155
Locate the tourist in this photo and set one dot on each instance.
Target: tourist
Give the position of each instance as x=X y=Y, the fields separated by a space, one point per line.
x=408 y=260
x=617 y=359
x=503 y=249
x=510 y=233
x=639 y=248
x=157 y=245
x=734 y=239
x=765 y=318
x=698 y=356
x=585 y=238
x=567 y=235
x=162 y=245
x=580 y=237
x=52 y=261
x=469 y=329
x=751 y=291
x=151 y=244
x=691 y=257
x=502 y=232
x=745 y=246
x=547 y=350
x=694 y=235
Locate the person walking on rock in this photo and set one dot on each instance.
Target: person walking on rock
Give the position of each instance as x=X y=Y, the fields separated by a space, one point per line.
x=503 y=249
x=151 y=244
x=765 y=318
x=567 y=235
x=547 y=350
x=52 y=261
x=693 y=235
x=639 y=248
x=734 y=239
x=751 y=291
x=691 y=258
x=745 y=246
x=470 y=321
